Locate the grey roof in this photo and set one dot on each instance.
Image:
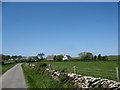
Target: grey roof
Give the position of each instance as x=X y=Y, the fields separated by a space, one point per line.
x=50 y=57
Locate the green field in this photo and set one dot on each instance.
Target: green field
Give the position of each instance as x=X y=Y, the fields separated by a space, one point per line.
x=40 y=80
x=96 y=69
x=113 y=57
x=4 y=68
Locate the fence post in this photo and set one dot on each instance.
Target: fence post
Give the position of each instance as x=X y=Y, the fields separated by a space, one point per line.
x=117 y=74
x=29 y=64
x=58 y=68
x=63 y=69
x=50 y=66
x=75 y=70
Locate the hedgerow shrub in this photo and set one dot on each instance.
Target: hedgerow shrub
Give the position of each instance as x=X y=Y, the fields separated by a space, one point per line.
x=64 y=69
x=66 y=80
x=40 y=67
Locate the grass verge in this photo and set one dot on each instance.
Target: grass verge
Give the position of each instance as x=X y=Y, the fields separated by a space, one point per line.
x=34 y=80
x=4 y=68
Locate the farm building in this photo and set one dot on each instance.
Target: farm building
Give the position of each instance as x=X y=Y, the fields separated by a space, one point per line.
x=66 y=57
x=51 y=57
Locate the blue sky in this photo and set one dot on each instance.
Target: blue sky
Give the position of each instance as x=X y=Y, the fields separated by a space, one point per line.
x=60 y=28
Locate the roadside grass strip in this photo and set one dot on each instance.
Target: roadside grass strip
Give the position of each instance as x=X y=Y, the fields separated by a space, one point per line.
x=34 y=80
x=4 y=68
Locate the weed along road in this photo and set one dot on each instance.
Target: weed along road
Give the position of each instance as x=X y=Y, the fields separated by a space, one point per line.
x=14 y=78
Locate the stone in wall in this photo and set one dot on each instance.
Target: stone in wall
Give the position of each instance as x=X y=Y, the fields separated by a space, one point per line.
x=86 y=81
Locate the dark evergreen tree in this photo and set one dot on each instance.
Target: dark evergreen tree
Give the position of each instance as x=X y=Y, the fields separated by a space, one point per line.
x=99 y=57
x=95 y=57
x=104 y=58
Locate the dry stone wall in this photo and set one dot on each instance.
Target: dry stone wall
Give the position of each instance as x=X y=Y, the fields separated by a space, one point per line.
x=86 y=81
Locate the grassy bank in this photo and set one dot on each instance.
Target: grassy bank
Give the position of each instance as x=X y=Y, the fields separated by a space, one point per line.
x=40 y=80
x=96 y=69
x=4 y=68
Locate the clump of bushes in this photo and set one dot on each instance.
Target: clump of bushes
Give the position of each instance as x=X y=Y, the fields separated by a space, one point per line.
x=40 y=67
x=64 y=70
x=59 y=58
x=2 y=62
x=19 y=61
x=64 y=79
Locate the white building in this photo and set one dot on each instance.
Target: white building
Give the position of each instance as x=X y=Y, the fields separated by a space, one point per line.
x=66 y=57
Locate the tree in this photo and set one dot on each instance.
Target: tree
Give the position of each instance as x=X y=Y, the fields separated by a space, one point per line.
x=5 y=57
x=82 y=54
x=33 y=58
x=36 y=58
x=29 y=59
x=41 y=55
x=86 y=55
x=24 y=57
x=59 y=58
x=19 y=57
x=104 y=58
x=14 y=57
x=3 y=62
x=99 y=57
x=95 y=57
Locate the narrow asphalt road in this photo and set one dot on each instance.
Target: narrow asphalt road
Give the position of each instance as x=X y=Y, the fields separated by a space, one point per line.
x=13 y=78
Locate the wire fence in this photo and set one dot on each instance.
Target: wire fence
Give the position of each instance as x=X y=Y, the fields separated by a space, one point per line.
x=98 y=73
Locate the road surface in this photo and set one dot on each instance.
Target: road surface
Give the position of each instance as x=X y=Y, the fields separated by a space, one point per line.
x=13 y=78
